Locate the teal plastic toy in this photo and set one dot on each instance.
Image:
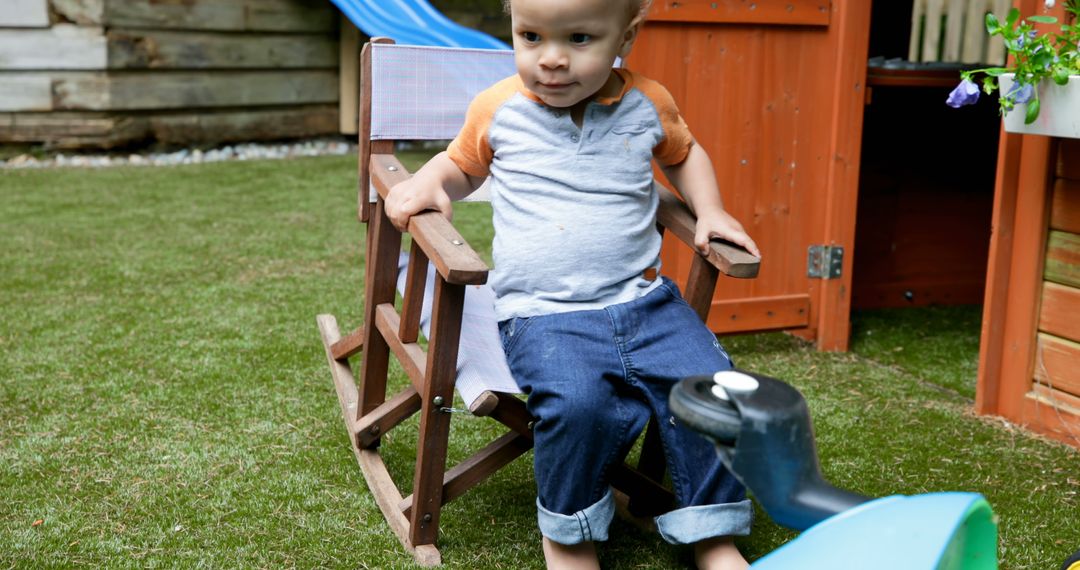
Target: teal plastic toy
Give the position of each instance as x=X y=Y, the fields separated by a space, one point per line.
x=762 y=431
x=942 y=531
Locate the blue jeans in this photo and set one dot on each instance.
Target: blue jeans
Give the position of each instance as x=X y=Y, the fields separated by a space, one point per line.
x=593 y=380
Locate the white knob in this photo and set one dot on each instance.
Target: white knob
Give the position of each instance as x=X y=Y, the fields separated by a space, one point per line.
x=734 y=381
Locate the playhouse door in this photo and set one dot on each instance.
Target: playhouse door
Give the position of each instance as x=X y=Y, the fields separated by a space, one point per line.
x=774 y=91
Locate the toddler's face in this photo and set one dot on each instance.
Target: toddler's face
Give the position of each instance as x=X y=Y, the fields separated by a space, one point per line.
x=564 y=49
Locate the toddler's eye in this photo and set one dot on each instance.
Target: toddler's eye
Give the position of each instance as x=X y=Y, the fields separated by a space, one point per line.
x=531 y=36
x=580 y=38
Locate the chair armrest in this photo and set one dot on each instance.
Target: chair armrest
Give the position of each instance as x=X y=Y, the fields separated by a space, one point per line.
x=729 y=258
x=451 y=255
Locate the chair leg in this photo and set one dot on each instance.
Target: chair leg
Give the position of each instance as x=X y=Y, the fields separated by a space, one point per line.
x=700 y=285
x=379 y=283
x=382 y=486
x=435 y=423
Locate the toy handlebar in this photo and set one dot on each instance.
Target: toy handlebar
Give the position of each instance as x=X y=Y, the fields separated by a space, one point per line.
x=761 y=427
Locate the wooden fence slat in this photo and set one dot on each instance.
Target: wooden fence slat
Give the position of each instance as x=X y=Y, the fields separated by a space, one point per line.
x=24 y=14
x=972 y=49
x=1063 y=258
x=931 y=41
x=918 y=12
x=1060 y=306
x=954 y=29
x=1055 y=364
x=995 y=46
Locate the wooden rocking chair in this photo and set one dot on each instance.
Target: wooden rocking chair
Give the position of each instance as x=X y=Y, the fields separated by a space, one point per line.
x=419 y=93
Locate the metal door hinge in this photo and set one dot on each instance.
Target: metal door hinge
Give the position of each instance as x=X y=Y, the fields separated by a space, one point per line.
x=825 y=261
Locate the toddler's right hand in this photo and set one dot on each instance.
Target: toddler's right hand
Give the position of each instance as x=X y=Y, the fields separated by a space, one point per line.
x=408 y=198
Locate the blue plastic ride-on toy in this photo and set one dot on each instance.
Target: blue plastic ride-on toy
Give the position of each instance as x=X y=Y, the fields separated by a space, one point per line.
x=762 y=431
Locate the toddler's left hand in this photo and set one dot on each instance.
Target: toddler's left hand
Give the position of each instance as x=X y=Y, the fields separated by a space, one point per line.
x=722 y=225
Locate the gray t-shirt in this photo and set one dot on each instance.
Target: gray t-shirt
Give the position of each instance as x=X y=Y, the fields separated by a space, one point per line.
x=574 y=208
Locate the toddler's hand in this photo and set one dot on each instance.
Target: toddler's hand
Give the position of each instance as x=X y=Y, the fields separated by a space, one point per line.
x=406 y=199
x=722 y=225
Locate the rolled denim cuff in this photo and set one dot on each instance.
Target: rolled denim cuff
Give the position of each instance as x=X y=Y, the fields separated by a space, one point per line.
x=583 y=526
x=692 y=524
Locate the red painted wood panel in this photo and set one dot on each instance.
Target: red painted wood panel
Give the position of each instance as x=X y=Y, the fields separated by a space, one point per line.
x=762 y=12
x=763 y=313
x=778 y=108
x=1056 y=363
x=1034 y=192
x=1051 y=412
x=1014 y=274
x=1060 y=312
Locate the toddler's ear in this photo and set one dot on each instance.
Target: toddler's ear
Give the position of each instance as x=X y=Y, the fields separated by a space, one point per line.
x=630 y=35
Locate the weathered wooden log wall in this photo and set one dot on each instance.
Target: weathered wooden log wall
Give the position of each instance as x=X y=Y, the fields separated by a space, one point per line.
x=106 y=73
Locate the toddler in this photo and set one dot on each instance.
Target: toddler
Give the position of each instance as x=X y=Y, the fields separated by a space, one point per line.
x=592 y=334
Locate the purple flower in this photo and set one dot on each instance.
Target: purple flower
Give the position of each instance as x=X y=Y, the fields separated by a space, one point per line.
x=1021 y=93
x=967 y=93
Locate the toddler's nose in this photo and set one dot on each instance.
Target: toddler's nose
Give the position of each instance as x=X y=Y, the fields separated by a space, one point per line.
x=553 y=57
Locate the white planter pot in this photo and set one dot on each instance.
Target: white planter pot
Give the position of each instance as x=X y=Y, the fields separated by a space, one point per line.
x=1059 y=109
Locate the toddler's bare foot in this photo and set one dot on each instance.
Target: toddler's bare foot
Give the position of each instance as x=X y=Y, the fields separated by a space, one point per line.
x=570 y=556
x=719 y=554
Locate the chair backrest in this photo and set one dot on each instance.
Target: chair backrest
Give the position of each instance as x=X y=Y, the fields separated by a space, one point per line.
x=954 y=31
x=419 y=93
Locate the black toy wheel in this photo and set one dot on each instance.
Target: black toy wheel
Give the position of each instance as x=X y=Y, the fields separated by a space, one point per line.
x=694 y=402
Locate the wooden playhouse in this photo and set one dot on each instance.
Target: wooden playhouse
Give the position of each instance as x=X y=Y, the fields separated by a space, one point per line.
x=1029 y=362
x=850 y=176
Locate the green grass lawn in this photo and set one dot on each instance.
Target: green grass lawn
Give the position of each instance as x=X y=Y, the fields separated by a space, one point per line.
x=165 y=400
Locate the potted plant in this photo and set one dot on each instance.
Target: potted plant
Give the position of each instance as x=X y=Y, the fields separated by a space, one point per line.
x=1043 y=78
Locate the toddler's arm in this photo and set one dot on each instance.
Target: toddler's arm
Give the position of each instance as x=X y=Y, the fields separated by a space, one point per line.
x=695 y=180
x=431 y=188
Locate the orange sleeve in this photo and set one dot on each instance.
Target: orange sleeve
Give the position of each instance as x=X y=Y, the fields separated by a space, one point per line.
x=677 y=140
x=471 y=149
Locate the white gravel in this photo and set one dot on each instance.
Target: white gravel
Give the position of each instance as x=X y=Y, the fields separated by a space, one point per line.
x=245 y=151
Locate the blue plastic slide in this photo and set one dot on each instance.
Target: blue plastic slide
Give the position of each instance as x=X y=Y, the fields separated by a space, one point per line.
x=413 y=22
